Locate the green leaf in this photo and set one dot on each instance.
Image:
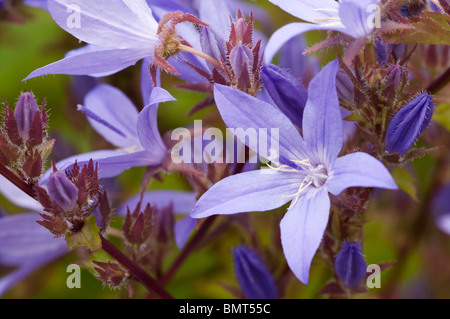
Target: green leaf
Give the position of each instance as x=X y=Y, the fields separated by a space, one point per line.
x=442 y=115
x=405 y=181
x=88 y=236
x=431 y=28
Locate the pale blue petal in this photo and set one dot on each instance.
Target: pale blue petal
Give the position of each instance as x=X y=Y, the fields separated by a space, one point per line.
x=93 y=62
x=108 y=17
x=241 y=110
x=113 y=107
x=309 y=10
x=322 y=124
x=287 y=32
x=302 y=230
x=253 y=191
x=358 y=170
x=217 y=15
x=147 y=127
x=354 y=15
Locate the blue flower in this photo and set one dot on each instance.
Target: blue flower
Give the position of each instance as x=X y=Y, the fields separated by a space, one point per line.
x=307 y=169
x=347 y=16
x=408 y=124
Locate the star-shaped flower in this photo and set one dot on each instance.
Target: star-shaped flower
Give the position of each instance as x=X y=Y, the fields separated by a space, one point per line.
x=308 y=168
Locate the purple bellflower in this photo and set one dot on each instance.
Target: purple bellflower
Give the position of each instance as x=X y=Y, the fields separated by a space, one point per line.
x=252 y=274
x=307 y=169
x=179 y=202
x=118 y=33
x=136 y=135
x=350 y=265
x=347 y=16
x=408 y=124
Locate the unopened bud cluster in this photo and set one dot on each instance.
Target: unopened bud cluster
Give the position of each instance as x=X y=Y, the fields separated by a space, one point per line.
x=24 y=144
x=70 y=198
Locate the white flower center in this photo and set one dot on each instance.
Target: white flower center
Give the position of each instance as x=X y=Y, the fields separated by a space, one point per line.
x=315 y=176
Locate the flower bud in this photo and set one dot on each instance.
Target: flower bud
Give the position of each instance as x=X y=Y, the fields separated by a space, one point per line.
x=137 y=226
x=395 y=77
x=164 y=224
x=239 y=56
x=240 y=27
x=350 y=265
x=252 y=274
x=62 y=191
x=25 y=111
x=286 y=91
x=408 y=124
x=345 y=87
x=213 y=45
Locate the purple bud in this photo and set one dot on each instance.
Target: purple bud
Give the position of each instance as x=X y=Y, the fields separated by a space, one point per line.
x=24 y=113
x=286 y=91
x=408 y=124
x=345 y=87
x=350 y=265
x=252 y=274
x=62 y=191
x=213 y=45
x=240 y=27
x=240 y=55
x=396 y=74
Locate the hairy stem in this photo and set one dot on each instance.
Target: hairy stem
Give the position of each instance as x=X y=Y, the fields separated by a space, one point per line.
x=17 y=181
x=187 y=250
x=145 y=279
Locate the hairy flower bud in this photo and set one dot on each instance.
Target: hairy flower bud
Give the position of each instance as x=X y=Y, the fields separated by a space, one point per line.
x=137 y=226
x=62 y=191
x=345 y=87
x=395 y=78
x=408 y=124
x=286 y=91
x=252 y=274
x=241 y=58
x=26 y=109
x=350 y=265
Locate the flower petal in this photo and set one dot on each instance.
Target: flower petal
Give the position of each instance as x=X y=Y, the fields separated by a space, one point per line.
x=243 y=111
x=287 y=32
x=217 y=15
x=148 y=126
x=358 y=170
x=92 y=61
x=115 y=109
x=309 y=10
x=22 y=240
x=247 y=192
x=355 y=16
x=115 y=21
x=302 y=229
x=322 y=124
